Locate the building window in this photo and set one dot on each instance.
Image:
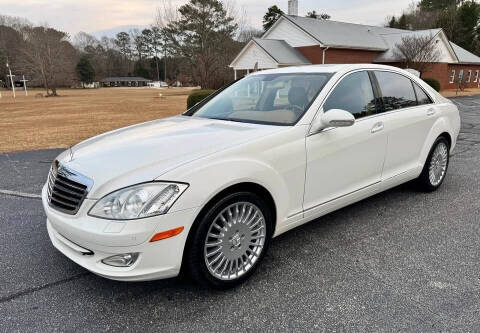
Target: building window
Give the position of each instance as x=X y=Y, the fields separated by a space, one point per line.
x=476 y=76
x=469 y=76
x=460 y=75
x=452 y=76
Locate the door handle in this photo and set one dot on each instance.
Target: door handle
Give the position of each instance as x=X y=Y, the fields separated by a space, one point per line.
x=377 y=127
x=431 y=112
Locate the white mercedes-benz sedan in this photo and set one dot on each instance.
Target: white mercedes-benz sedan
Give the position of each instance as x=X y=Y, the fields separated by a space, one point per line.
x=206 y=191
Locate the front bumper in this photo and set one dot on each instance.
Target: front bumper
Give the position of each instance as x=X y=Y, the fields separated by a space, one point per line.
x=78 y=236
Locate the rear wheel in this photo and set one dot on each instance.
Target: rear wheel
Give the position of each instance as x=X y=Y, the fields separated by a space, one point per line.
x=230 y=241
x=436 y=166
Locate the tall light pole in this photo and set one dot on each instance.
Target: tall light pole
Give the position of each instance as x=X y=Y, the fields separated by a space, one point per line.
x=11 y=79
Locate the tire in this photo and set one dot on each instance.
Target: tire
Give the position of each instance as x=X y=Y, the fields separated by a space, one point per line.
x=436 y=165
x=229 y=241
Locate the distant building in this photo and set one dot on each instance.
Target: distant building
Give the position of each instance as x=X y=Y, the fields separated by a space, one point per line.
x=295 y=40
x=157 y=84
x=125 y=81
x=91 y=85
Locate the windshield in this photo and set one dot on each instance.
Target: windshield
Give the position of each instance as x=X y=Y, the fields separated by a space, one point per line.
x=277 y=99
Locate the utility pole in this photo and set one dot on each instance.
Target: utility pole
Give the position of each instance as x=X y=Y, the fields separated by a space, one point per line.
x=24 y=85
x=11 y=79
x=165 y=63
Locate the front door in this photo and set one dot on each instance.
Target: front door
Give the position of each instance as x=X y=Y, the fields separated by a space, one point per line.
x=345 y=160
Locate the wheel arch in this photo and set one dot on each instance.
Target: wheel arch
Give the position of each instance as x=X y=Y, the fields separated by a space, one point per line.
x=448 y=137
x=440 y=128
x=247 y=186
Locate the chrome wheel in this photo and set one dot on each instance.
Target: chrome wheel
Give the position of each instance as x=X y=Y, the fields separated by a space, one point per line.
x=438 y=164
x=235 y=240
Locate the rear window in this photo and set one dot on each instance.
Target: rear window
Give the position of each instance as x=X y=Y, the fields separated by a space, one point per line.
x=422 y=97
x=397 y=91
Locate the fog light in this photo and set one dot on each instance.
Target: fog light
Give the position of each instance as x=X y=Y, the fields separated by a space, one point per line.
x=121 y=260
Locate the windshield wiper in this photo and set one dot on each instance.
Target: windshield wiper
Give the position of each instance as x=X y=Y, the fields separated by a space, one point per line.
x=229 y=119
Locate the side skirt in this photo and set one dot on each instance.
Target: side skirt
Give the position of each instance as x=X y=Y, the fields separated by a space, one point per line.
x=348 y=199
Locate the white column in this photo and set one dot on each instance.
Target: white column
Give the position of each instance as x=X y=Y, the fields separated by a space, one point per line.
x=235 y=74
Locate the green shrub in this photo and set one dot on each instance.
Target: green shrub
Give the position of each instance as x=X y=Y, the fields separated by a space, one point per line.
x=197 y=96
x=432 y=83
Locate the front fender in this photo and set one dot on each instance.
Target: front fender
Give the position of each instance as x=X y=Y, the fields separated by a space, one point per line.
x=206 y=181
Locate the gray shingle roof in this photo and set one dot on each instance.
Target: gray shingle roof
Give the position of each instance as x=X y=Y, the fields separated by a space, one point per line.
x=359 y=36
x=341 y=34
x=392 y=39
x=282 y=52
x=464 y=56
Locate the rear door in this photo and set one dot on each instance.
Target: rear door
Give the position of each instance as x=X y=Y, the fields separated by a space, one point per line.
x=409 y=114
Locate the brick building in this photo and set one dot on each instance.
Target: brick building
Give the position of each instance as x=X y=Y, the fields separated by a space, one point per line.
x=295 y=40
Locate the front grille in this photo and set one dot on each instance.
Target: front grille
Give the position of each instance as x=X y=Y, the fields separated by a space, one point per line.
x=66 y=189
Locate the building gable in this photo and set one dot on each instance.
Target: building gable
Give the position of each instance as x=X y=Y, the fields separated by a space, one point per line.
x=285 y=30
x=436 y=36
x=251 y=54
x=444 y=48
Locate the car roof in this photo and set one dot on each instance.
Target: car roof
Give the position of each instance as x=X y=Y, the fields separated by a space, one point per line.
x=328 y=68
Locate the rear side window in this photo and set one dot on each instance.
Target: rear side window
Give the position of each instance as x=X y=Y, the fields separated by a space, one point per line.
x=397 y=91
x=422 y=97
x=354 y=94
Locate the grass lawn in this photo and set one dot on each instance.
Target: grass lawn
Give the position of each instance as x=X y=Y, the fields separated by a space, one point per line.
x=28 y=123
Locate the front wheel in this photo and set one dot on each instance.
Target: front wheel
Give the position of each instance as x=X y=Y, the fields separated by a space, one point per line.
x=436 y=166
x=230 y=241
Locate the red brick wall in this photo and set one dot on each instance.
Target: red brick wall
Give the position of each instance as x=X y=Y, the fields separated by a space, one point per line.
x=442 y=71
x=458 y=68
x=337 y=56
x=439 y=71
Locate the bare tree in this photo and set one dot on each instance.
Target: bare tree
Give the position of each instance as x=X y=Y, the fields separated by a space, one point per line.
x=417 y=52
x=83 y=41
x=49 y=57
x=14 y=22
x=247 y=34
x=166 y=12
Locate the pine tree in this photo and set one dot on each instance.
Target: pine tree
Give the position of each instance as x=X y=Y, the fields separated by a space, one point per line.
x=271 y=16
x=85 y=70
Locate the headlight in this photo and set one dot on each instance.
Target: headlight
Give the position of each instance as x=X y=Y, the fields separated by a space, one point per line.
x=138 y=201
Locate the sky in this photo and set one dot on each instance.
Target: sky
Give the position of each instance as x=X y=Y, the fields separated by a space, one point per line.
x=105 y=16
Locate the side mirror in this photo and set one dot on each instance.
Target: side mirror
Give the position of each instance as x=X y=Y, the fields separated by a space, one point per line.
x=332 y=118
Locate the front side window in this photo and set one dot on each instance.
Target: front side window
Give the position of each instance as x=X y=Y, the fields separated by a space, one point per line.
x=353 y=94
x=460 y=75
x=274 y=99
x=422 y=97
x=397 y=91
x=476 y=76
x=469 y=76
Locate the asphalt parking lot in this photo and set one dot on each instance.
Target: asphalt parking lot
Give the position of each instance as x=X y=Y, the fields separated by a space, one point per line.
x=399 y=261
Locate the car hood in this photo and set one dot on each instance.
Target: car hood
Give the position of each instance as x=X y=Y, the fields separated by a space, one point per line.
x=145 y=151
